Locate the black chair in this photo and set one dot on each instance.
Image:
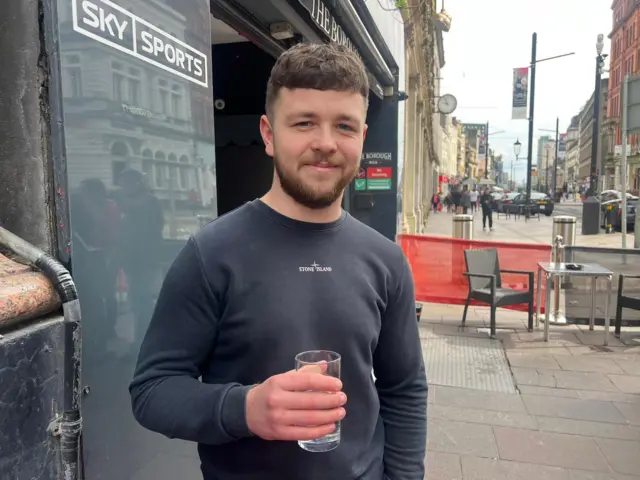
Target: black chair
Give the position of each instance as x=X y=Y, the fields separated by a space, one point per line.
x=624 y=301
x=485 y=285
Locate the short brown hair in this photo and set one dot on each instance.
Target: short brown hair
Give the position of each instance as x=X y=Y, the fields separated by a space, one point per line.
x=319 y=67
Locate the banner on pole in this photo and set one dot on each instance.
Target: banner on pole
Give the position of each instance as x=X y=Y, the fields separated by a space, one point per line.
x=520 y=93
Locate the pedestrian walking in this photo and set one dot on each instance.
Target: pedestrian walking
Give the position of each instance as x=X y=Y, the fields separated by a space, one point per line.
x=435 y=201
x=487 y=211
x=465 y=201
x=456 y=197
x=289 y=273
x=474 y=200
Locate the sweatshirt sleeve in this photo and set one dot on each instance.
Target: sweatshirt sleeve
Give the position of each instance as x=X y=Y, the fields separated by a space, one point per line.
x=166 y=395
x=401 y=383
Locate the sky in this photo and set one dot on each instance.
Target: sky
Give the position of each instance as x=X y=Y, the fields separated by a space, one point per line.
x=489 y=38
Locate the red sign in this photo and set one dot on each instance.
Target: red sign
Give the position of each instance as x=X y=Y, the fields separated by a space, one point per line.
x=379 y=172
x=361 y=173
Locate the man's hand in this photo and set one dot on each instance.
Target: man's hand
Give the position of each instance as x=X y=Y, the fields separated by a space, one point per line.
x=302 y=405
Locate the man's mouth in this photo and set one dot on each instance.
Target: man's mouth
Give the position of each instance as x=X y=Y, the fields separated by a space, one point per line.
x=323 y=166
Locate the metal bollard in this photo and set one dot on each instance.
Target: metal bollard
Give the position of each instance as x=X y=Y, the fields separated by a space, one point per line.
x=462 y=230
x=557 y=256
x=463 y=227
x=636 y=230
x=565 y=226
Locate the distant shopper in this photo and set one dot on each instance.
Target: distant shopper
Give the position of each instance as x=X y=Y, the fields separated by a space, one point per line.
x=487 y=212
x=465 y=201
x=474 y=200
x=435 y=201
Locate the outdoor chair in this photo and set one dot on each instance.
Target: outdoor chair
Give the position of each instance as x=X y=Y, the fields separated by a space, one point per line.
x=485 y=285
x=624 y=301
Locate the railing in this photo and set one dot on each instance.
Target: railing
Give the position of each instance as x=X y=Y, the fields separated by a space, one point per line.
x=437 y=264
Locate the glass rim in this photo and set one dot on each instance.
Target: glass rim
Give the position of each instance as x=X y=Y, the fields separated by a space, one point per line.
x=334 y=357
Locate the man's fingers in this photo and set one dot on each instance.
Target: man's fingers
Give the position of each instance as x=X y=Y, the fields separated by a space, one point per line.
x=305 y=433
x=305 y=381
x=314 y=368
x=310 y=418
x=311 y=400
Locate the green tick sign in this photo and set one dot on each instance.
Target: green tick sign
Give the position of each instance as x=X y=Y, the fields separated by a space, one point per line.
x=379 y=184
x=360 y=184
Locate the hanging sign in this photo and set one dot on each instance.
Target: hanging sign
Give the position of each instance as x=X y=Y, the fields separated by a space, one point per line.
x=520 y=93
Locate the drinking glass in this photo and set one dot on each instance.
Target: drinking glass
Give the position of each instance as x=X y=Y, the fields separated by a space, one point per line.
x=332 y=361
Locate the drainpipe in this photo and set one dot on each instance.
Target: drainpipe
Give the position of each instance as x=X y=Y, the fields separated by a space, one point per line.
x=67 y=425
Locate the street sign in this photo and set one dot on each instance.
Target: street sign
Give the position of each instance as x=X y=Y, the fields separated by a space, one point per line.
x=379 y=184
x=379 y=172
x=360 y=184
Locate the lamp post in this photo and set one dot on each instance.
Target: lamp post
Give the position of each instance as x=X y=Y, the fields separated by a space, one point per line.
x=516 y=149
x=532 y=96
x=591 y=206
x=593 y=174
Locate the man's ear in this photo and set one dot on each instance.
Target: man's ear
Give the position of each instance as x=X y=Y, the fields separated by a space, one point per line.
x=267 y=135
x=364 y=132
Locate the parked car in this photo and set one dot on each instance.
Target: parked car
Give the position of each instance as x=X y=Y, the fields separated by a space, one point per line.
x=612 y=200
x=539 y=203
x=504 y=200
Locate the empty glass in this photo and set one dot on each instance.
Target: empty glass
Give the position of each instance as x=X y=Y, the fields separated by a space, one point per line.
x=332 y=361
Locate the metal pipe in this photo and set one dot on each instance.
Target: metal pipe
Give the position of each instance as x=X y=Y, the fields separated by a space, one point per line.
x=558 y=258
x=532 y=97
x=593 y=174
x=67 y=426
x=554 y=179
x=623 y=173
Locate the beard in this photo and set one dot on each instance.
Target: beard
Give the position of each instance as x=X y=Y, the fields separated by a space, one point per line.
x=306 y=195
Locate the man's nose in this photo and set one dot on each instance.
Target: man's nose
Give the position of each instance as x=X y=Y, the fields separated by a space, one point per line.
x=325 y=140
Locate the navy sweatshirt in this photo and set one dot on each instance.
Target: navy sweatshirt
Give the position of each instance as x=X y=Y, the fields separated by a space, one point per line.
x=247 y=293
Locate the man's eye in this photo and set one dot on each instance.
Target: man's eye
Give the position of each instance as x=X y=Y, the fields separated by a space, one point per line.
x=344 y=126
x=303 y=124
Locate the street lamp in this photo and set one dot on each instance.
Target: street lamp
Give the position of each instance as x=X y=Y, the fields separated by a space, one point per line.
x=516 y=149
x=593 y=174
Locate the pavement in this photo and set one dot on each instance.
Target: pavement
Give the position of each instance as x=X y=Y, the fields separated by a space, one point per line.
x=517 y=229
x=519 y=408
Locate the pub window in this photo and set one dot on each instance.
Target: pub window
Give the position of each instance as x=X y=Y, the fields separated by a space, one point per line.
x=161 y=170
x=163 y=93
x=72 y=80
x=184 y=172
x=177 y=101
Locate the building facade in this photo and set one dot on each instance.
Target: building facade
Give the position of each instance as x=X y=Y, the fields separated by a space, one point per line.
x=624 y=60
x=424 y=46
x=586 y=135
x=572 y=159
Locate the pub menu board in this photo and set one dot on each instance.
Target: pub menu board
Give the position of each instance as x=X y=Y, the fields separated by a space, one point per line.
x=375 y=173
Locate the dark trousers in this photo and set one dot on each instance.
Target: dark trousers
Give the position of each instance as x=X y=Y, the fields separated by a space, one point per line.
x=487 y=213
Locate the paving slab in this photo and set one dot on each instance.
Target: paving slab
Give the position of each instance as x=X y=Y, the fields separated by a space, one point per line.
x=461 y=438
x=626 y=383
x=573 y=408
x=589 y=429
x=443 y=466
x=629 y=367
x=551 y=449
x=533 y=360
x=582 y=475
x=468 y=398
x=493 y=469
x=584 y=381
x=485 y=417
x=623 y=456
x=547 y=391
x=597 y=365
x=630 y=411
x=608 y=396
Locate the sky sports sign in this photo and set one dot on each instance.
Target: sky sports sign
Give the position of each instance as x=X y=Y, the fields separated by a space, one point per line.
x=115 y=27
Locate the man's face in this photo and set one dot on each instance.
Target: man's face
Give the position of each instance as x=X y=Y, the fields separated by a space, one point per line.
x=315 y=138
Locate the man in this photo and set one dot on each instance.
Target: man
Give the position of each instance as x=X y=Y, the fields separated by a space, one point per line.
x=465 y=200
x=487 y=211
x=473 y=197
x=288 y=273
